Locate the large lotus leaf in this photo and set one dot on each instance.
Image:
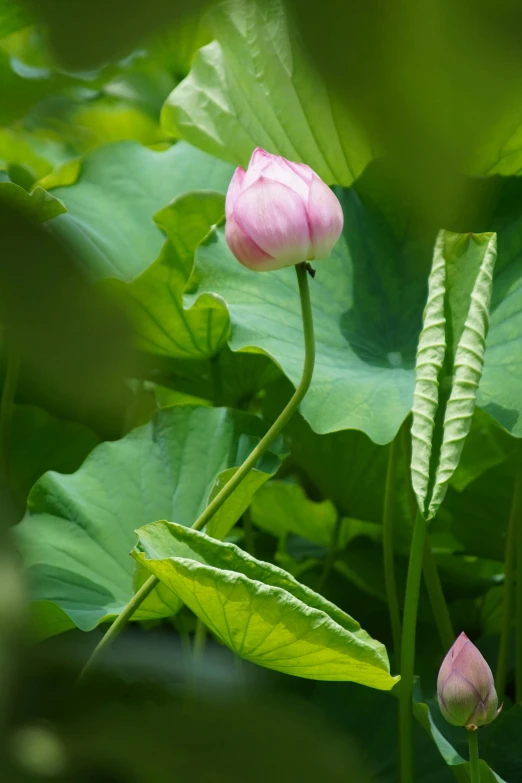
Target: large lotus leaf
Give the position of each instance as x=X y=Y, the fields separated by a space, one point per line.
x=260 y=611
x=120 y=187
x=79 y=530
x=154 y=300
x=254 y=86
x=367 y=303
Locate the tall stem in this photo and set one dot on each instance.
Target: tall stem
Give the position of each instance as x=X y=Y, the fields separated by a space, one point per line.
x=438 y=603
x=276 y=428
x=518 y=595
x=331 y=555
x=388 y=550
x=474 y=758
x=432 y=581
x=287 y=413
x=409 y=627
x=121 y=621
x=512 y=548
x=6 y=405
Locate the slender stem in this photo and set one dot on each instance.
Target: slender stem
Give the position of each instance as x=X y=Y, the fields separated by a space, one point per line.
x=309 y=341
x=409 y=627
x=518 y=594
x=200 y=640
x=284 y=417
x=432 y=581
x=331 y=554
x=6 y=405
x=438 y=603
x=121 y=621
x=508 y=600
x=388 y=549
x=474 y=758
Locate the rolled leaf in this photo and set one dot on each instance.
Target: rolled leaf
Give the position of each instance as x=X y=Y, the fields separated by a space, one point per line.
x=450 y=358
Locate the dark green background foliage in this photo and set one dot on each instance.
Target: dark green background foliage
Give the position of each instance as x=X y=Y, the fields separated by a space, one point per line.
x=149 y=363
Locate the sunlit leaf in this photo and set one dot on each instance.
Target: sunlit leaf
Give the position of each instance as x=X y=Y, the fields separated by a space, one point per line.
x=259 y=611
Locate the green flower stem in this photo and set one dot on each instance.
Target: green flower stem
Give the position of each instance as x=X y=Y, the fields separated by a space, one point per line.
x=388 y=550
x=6 y=406
x=276 y=428
x=474 y=759
x=284 y=417
x=409 y=627
x=432 y=581
x=512 y=547
x=331 y=555
x=438 y=603
x=518 y=595
x=120 y=622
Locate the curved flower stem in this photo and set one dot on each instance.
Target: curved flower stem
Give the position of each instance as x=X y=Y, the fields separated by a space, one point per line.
x=409 y=627
x=269 y=437
x=388 y=550
x=120 y=622
x=513 y=547
x=474 y=758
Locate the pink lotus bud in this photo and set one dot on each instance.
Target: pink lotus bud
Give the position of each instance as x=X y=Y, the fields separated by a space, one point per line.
x=465 y=687
x=280 y=214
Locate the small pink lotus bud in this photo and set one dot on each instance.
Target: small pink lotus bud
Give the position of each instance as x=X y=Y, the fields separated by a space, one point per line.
x=280 y=214
x=465 y=687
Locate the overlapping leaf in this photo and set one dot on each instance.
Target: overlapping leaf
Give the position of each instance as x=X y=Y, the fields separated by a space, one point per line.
x=79 y=530
x=154 y=300
x=450 y=358
x=111 y=206
x=259 y=611
x=254 y=86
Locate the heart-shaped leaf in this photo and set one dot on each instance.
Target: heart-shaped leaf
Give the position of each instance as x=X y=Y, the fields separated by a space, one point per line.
x=120 y=187
x=79 y=530
x=253 y=86
x=450 y=358
x=260 y=611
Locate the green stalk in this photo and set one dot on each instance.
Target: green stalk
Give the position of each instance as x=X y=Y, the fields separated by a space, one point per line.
x=120 y=622
x=409 y=627
x=6 y=406
x=438 y=603
x=232 y=484
x=432 y=581
x=388 y=550
x=331 y=555
x=508 y=599
x=518 y=594
x=474 y=758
